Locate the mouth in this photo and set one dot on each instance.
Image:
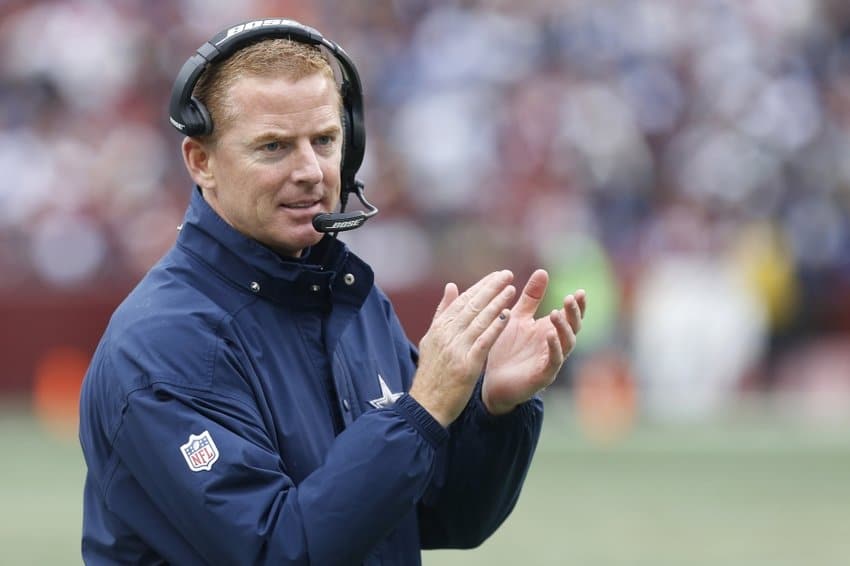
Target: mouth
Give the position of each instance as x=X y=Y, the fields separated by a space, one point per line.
x=302 y=204
x=302 y=211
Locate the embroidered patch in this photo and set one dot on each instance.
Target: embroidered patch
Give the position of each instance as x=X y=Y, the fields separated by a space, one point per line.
x=200 y=452
x=387 y=397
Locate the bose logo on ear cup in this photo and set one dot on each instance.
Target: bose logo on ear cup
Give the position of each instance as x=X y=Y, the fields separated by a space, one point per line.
x=235 y=30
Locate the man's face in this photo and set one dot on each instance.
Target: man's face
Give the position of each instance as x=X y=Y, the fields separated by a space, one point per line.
x=276 y=163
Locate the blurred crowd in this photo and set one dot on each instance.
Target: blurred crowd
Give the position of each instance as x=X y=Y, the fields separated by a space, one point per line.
x=688 y=163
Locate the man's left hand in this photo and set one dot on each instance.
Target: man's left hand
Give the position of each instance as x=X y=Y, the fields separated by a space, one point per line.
x=527 y=356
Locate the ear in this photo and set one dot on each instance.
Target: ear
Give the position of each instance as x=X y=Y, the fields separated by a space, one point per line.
x=197 y=158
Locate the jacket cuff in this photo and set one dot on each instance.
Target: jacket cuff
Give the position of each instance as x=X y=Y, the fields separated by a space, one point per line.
x=523 y=412
x=420 y=419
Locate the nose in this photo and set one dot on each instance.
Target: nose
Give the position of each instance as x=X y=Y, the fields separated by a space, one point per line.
x=306 y=169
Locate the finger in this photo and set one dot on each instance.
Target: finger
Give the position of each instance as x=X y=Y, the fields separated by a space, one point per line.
x=471 y=291
x=556 y=355
x=532 y=294
x=450 y=293
x=581 y=299
x=564 y=331
x=472 y=301
x=573 y=312
x=488 y=314
x=481 y=347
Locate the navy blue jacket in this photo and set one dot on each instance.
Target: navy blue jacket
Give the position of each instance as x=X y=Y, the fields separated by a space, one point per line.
x=243 y=408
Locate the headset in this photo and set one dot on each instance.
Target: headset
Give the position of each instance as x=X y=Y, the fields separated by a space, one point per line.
x=190 y=117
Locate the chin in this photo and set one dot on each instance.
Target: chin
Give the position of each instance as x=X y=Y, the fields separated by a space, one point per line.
x=295 y=245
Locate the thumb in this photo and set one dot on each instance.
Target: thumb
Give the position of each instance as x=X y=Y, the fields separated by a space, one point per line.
x=532 y=294
x=450 y=293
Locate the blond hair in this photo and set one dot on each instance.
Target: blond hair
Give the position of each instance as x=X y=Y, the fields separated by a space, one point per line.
x=270 y=57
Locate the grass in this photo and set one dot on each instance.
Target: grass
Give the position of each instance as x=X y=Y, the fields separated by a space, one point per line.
x=41 y=486
x=752 y=491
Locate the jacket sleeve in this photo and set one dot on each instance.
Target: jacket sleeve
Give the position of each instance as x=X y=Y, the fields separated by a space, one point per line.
x=245 y=509
x=480 y=470
x=479 y=474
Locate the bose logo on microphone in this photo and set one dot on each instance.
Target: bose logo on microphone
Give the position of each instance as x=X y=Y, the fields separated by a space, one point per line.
x=236 y=30
x=342 y=224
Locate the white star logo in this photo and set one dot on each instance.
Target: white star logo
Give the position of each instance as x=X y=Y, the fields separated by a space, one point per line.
x=387 y=397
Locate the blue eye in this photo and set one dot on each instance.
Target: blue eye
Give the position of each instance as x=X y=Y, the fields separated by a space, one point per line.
x=324 y=140
x=271 y=146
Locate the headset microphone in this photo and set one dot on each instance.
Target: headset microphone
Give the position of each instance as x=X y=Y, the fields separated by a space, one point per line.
x=342 y=221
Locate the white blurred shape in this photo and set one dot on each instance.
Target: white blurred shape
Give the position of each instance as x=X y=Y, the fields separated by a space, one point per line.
x=785 y=114
x=84 y=46
x=785 y=17
x=218 y=14
x=657 y=27
x=697 y=329
x=456 y=46
x=713 y=163
x=727 y=77
x=66 y=249
x=29 y=174
x=447 y=140
x=598 y=122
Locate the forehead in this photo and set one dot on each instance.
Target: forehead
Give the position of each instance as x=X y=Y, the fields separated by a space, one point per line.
x=272 y=101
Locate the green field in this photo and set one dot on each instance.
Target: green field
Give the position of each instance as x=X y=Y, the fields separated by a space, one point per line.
x=746 y=490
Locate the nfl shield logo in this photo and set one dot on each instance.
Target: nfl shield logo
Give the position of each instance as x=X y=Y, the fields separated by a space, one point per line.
x=200 y=451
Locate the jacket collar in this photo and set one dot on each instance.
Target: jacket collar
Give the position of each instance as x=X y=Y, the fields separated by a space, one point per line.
x=326 y=274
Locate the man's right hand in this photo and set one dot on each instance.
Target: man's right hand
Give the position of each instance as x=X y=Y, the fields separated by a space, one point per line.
x=453 y=351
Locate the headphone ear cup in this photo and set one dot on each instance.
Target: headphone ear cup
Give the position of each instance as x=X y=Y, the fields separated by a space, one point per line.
x=197 y=117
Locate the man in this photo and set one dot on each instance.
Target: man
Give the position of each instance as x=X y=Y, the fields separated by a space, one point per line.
x=247 y=402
